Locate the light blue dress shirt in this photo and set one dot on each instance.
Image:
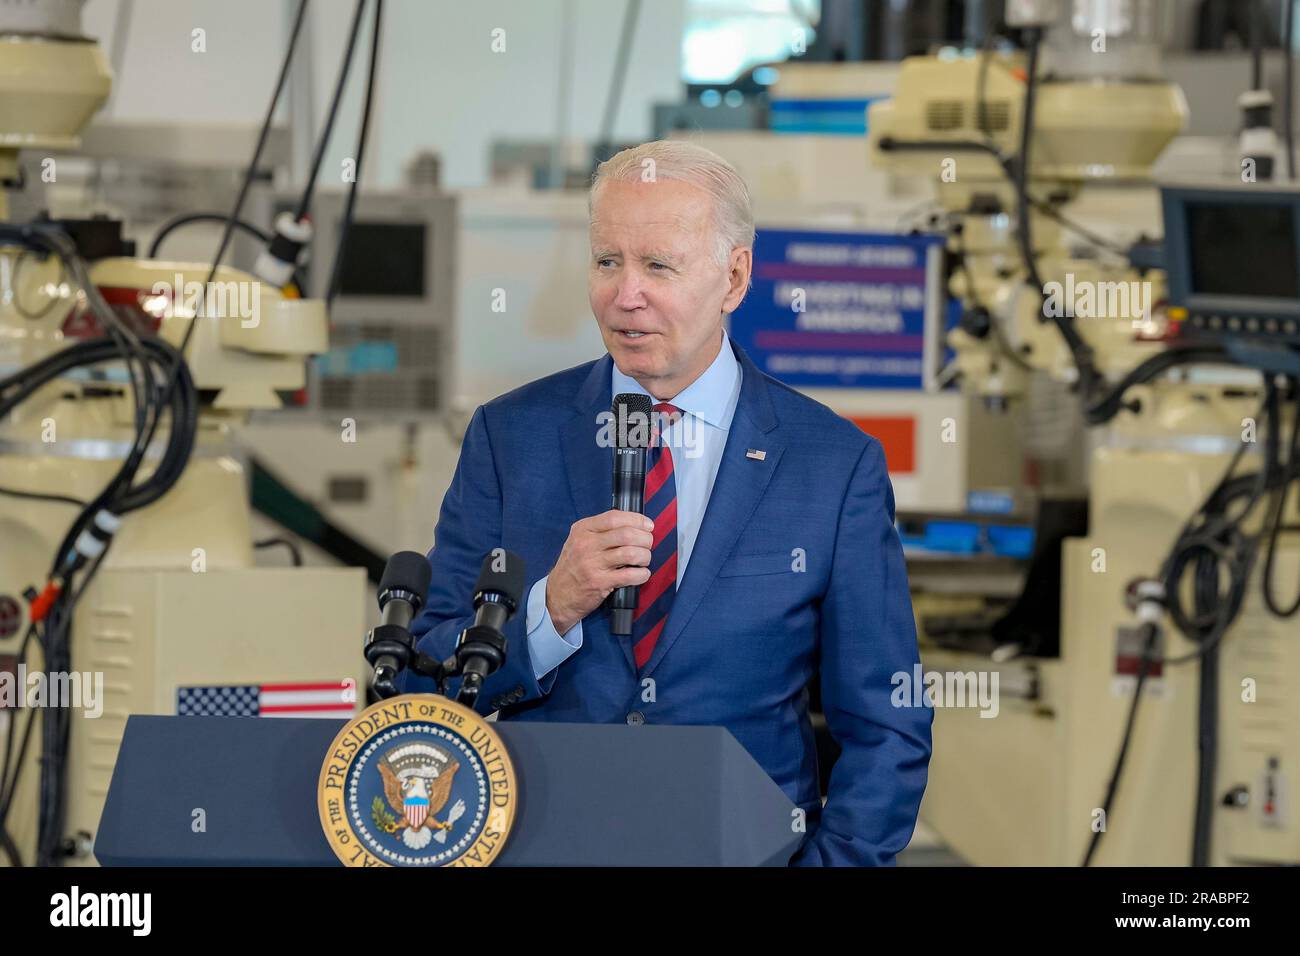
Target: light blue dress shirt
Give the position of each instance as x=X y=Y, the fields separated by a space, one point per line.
x=696 y=440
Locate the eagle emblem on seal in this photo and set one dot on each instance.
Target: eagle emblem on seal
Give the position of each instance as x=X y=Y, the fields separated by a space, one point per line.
x=417 y=784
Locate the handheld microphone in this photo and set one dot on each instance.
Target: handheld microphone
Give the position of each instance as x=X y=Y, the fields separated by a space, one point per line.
x=632 y=419
x=481 y=647
x=402 y=591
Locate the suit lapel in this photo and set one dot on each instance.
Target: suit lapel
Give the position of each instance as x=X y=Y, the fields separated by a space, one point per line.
x=737 y=489
x=589 y=466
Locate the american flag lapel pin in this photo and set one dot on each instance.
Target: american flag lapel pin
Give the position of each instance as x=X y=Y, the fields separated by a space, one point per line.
x=756 y=454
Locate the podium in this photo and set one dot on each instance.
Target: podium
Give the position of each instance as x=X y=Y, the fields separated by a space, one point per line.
x=589 y=795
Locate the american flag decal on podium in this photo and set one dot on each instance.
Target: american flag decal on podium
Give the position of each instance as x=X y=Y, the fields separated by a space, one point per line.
x=329 y=699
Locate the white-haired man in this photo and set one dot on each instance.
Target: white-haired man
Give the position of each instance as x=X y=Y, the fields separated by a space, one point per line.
x=766 y=556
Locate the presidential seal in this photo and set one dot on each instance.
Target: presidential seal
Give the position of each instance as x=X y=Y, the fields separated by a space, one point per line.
x=417 y=780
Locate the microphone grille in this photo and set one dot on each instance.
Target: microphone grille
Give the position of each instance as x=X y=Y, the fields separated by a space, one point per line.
x=632 y=419
x=409 y=571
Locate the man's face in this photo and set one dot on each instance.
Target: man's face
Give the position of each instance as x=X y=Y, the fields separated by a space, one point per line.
x=655 y=287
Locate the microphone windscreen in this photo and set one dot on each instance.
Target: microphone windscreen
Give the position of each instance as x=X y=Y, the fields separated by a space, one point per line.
x=409 y=571
x=632 y=420
x=502 y=572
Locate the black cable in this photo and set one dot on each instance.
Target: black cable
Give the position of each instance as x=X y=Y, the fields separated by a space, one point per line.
x=56 y=721
x=262 y=136
x=1256 y=45
x=79 y=591
x=245 y=186
x=1051 y=212
x=1274 y=525
x=7 y=764
x=190 y=218
x=121 y=344
x=995 y=327
x=295 y=553
x=179 y=373
x=118 y=498
x=1246 y=487
x=10 y=849
x=304 y=203
x=1288 y=82
x=175 y=376
x=1112 y=788
x=11 y=769
x=981 y=124
x=84 y=353
x=1018 y=172
x=55 y=729
x=1080 y=351
x=888 y=143
x=1216 y=543
x=122 y=495
x=621 y=59
x=1213 y=541
x=981 y=79
x=148 y=362
x=1207 y=755
x=42 y=496
x=349 y=208
x=1105 y=407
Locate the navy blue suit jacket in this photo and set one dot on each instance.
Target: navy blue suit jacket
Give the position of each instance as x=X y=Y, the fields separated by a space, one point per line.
x=797 y=572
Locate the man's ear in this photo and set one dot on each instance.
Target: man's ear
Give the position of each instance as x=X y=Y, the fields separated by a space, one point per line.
x=739 y=266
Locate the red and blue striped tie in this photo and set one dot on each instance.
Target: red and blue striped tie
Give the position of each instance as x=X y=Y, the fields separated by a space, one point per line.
x=655 y=598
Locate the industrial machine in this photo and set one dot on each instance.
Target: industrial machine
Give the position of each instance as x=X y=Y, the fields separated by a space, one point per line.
x=371 y=440
x=1162 y=730
x=392 y=319
x=126 y=545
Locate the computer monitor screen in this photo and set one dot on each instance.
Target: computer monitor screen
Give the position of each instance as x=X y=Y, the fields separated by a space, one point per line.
x=1243 y=249
x=384 y=259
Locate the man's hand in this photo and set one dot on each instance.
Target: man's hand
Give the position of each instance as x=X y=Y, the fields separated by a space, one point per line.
x=603 y=552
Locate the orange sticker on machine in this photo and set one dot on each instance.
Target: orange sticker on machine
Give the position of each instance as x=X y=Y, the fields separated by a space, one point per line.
x=897 y=433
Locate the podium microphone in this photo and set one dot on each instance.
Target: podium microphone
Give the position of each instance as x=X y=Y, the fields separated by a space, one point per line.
x=402 y=590
x=481 y=647
x=632 y=421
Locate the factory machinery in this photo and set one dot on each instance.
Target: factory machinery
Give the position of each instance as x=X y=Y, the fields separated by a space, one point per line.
x=126 y=543
x=1156 y=725
x=1163 y=728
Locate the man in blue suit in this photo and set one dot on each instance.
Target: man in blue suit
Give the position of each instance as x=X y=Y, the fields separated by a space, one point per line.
x=767 y=554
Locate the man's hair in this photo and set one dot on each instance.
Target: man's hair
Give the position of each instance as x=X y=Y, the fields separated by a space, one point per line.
x=682 y=161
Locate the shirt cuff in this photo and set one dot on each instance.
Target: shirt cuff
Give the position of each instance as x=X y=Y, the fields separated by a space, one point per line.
x=547 y=647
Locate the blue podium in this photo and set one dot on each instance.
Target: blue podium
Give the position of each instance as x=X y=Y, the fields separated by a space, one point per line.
x=589 y=795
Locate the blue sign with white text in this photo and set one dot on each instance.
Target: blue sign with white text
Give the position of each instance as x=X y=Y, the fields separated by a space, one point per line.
x=843 y=309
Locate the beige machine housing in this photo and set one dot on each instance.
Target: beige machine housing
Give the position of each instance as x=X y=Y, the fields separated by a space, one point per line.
x=1025 y=788
x=179 y=600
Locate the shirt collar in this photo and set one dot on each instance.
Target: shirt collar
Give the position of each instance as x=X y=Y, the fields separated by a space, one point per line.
x=707 y=398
